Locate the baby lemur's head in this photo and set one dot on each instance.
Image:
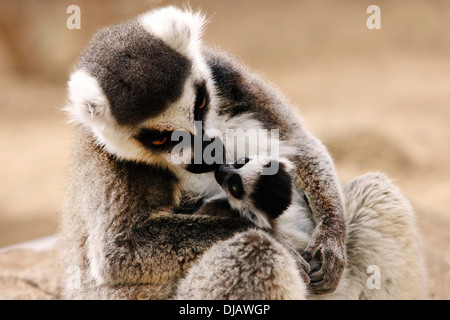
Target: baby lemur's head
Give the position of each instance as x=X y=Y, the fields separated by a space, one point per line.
x=260 y=189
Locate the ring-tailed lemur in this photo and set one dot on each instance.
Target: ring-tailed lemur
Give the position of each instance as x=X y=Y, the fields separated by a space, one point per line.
x=127 y=218
x=265 y=197
x=385 y=260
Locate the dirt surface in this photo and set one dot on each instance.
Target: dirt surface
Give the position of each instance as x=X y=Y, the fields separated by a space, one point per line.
x=379 y=100
x=29 y=275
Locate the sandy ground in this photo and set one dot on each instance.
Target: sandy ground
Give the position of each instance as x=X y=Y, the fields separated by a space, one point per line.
x=379 y=99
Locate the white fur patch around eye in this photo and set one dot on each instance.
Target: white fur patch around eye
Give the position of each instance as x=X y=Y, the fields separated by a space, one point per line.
x=178 y=28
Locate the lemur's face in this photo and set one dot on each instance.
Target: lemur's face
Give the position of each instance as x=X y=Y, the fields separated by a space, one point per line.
x=258 y=196
x=142 y=84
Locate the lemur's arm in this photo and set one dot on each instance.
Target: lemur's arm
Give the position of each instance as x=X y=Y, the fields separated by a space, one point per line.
x=243 y=93
x=315 y=175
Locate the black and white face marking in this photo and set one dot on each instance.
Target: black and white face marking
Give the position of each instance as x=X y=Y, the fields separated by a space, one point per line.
x=261 y=198
x=138 y=82
x=201 y=108
x=139 y=74
x=155 y=140
x=202 y=101
x=162 y=141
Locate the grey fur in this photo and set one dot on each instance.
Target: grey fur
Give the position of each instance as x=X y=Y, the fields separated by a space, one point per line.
x=252 y=265
x=125 y=59
x=381 y=232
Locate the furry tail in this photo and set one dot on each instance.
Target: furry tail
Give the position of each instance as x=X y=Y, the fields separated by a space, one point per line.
x=384 y=250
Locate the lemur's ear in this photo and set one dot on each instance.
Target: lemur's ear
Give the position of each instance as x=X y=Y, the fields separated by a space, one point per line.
x=87 y=102
x=178 y=28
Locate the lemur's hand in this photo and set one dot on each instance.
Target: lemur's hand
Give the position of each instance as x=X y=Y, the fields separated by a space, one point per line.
x=329 y=249
x=304 y=268
x=291 y=245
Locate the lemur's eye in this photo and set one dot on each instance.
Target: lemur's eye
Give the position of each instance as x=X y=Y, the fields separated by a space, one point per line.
x=154 y=139
x=235 y=186
x=201 y=101
x=160 y=141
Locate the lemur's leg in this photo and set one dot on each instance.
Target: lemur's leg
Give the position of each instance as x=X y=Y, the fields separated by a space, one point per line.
x=251 y=265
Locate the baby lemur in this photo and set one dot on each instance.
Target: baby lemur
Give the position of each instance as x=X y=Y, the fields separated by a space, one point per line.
x=382 y=236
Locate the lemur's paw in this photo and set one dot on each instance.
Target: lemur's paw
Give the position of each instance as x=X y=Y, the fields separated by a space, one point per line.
x=329 y=260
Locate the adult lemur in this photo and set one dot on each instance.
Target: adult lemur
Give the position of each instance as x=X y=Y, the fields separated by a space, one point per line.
x=385 y=260
x=127 y=222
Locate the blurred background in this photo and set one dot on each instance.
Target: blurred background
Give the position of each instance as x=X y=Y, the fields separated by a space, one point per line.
x=378 y=99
